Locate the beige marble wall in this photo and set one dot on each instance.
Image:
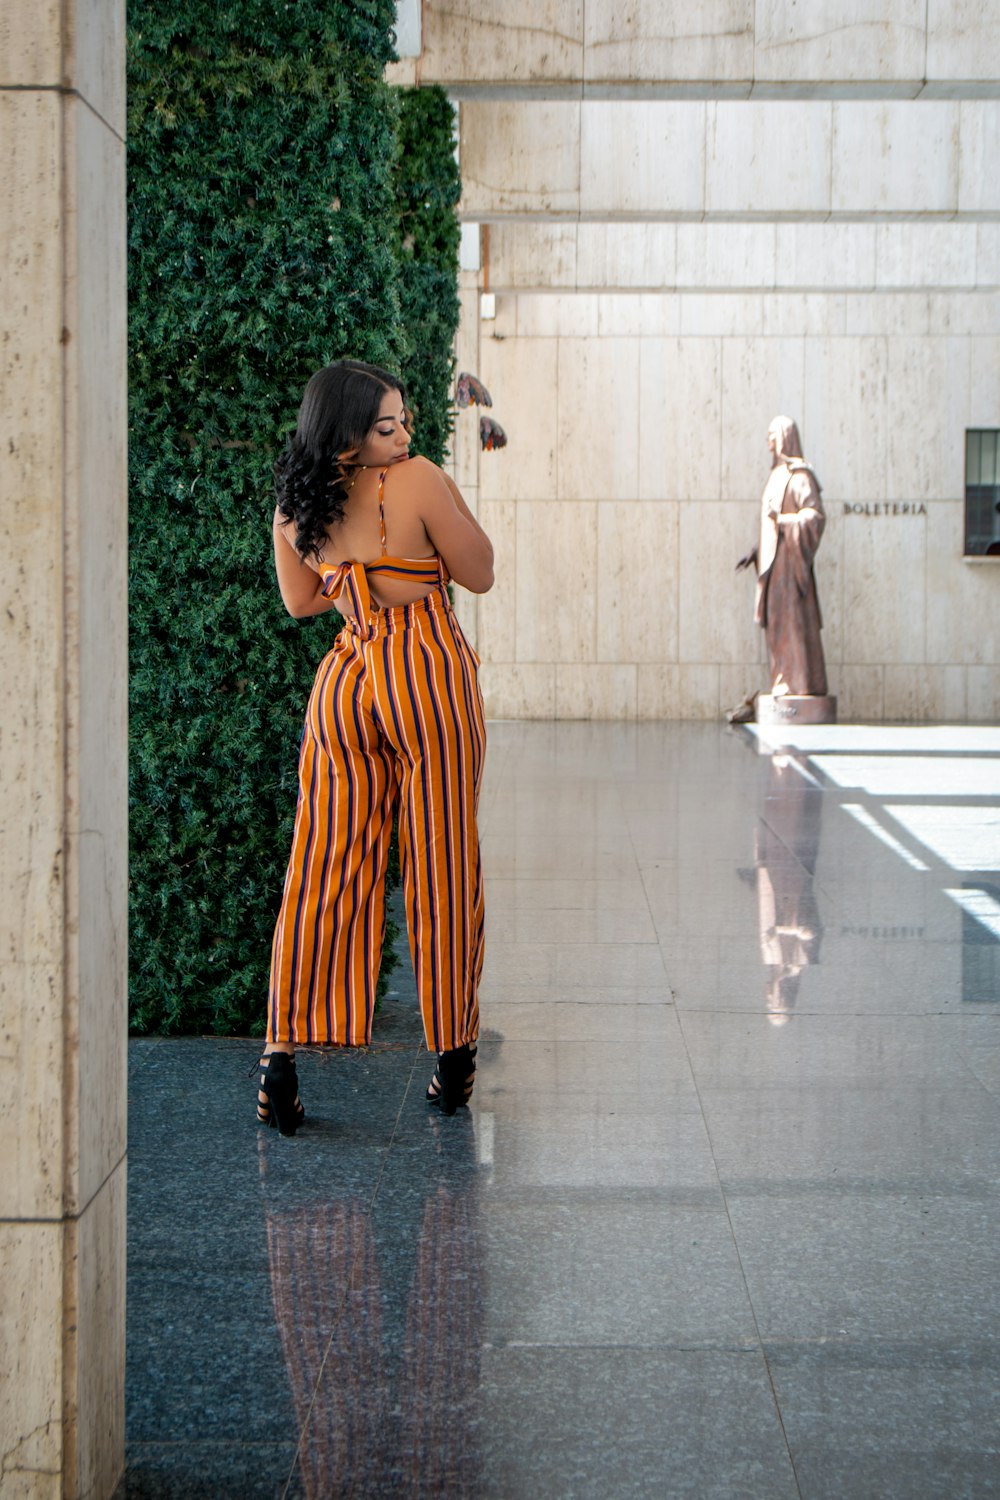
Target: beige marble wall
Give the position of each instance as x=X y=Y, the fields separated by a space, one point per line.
x=631 y=481
x=732 y=48
x=774 y=159
x=63 y=751
x=696 y=217
x=724 y=256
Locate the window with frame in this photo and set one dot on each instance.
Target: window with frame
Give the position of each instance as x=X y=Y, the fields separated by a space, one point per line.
x=982 y=492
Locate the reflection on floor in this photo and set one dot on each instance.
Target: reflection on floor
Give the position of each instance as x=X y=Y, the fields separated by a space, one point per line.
x=723 y=1220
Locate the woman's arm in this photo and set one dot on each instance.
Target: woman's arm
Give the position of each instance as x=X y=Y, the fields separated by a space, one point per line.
x=298 y=581
x=454 y=531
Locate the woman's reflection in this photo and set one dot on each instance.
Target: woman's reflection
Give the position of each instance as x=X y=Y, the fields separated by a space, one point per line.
x=787 y=847
x=379 y=1311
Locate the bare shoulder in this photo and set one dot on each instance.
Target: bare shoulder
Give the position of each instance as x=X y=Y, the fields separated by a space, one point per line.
x=417 y=471
x=422 y=481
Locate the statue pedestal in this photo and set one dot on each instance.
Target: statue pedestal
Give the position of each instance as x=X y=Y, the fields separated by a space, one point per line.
x=789 y=709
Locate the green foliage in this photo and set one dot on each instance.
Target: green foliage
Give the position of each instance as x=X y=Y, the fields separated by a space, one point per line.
x=264 y=178
x=426 y=244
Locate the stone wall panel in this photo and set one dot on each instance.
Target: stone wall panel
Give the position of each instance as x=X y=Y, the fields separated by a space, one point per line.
x=860 y=692
x=927 y=411
x=527 y=41
x=963 y=39
x=669 y=39
x=96 y=584
x=804 y=315
x=646 y=157
x=519 y=690
x=496 y=612
x=970 y=633
x=520 y=157
x=31 y=45
x=31 y=1088
x=94 y=64
x=96 y=1246
x=925 y=255
x=637 y=315
x=839 y=39
x=715 y=603
x=825 y=255
x=556 y=572
x=626 y=255
x=718 y=47
x=31 y=1336
x=978 y=187
x=598 y=422
x=595 y=692
x=895 y=157
x=844 y=416
x=768 y=158
x=32 y=855
x=680 y=400
x=925 y=694
x=636 y=597
x=570 y=315
x=906 y=313
x=760 y=378
x=726 y=256
x=540 y=255
x=884 y=590
x=520 y=375
x=984 y=381
x=982 y=694
x=987 y=257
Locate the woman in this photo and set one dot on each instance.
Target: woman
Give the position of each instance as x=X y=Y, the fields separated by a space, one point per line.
x=395 y=718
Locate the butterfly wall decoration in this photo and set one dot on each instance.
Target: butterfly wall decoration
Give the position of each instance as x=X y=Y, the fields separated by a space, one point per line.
x=469 y=391
x=491 y=434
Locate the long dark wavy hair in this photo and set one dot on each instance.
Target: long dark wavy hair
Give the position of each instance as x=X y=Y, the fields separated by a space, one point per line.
x=312 y=476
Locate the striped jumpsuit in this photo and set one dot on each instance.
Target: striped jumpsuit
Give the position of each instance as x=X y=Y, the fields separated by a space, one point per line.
x=395 y=718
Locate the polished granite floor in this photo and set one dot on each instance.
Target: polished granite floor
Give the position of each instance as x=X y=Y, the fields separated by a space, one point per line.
x=723 y=1220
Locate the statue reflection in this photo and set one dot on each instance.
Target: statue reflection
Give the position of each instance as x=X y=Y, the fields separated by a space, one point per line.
x=787 y=847
x=379 y=1312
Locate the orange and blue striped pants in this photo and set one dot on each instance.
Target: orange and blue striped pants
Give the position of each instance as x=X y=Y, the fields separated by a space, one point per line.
x=394 y=721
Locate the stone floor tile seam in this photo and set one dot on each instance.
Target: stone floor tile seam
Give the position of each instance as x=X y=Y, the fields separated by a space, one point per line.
x=136 y=1445
x=359 y=1252
x=975 y=1187
x=779 y=1416
x=747 y=1349
x=804 y=1013
x=648 y=1196
x=949 y=1351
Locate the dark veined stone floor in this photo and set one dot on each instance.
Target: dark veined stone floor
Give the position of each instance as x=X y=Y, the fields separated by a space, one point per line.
x=723 y=1219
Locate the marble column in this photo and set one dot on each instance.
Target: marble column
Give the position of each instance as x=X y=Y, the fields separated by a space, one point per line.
x=63 y=830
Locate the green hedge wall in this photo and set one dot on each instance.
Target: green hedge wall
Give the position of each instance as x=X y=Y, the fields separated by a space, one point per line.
x=426 y=247
x=267 y=197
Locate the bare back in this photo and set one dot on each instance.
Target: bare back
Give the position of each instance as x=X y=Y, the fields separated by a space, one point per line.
x=405 y=527
x=382 y=522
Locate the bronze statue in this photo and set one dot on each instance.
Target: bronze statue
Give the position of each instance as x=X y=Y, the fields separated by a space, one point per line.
x=791 y=524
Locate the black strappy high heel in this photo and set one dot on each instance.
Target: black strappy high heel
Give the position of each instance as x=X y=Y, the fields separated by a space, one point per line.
x=453 y=1079
x=433 y=1094
x=279 y=1081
